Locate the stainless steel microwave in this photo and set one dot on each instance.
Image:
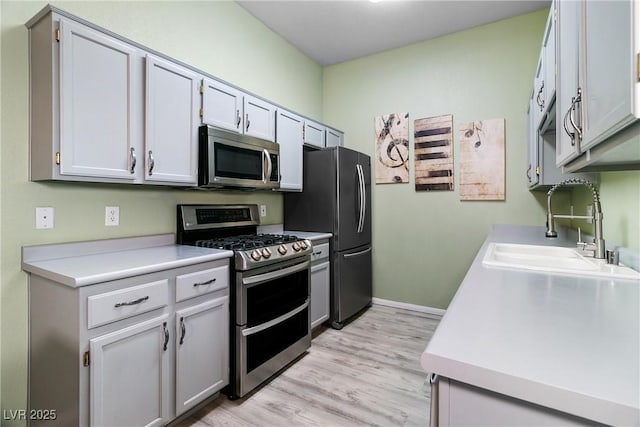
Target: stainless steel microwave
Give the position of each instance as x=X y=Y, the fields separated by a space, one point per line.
x=228 y=159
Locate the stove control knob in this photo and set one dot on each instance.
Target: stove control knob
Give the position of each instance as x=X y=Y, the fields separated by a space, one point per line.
x=282 y=249
x=296 y=246
x=255 y=254
x=266 y=252
x=303 y=245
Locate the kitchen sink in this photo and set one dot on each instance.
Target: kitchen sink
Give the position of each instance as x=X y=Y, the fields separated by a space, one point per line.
x=553 y=259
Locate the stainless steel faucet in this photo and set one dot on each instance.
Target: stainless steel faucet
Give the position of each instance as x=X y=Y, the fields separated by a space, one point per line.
x=598 y=242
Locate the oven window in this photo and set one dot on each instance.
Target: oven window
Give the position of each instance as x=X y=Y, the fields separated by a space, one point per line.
x=268 y=300
x=235 y=162
x=265 y=344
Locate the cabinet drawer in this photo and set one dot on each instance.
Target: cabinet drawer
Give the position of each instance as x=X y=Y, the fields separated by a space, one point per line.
x=320 y=251
x=201 y=282
x=111 y=306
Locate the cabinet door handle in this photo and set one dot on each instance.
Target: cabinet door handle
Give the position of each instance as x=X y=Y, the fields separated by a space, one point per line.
x=528 y=174
x=132 y=155
x=577 y=100
x=238 y=118
x=166 y=336
x=135 y=302
x=247 y=122
x=539 y=98
x=183 y=330
x=564 y=123
x=208 y=282
x=152 y=162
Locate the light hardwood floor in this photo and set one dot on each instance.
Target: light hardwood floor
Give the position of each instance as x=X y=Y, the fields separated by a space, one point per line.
x=368 y=373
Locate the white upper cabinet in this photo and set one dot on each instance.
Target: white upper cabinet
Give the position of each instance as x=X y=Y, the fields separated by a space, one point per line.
x=314 y=134
x=597 y=93
x=222 y=106
x=259 y=118
x=171 y=137
x=567 y=143
x=98 y=96
x=335 y=138
x=608 y=78
x=289 y=137
x=228 y=108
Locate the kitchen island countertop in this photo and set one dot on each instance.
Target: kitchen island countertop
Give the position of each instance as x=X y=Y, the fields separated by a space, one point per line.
x=571 y=343
x=87 y=263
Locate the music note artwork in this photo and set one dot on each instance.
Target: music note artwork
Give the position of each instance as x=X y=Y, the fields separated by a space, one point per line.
x=482 y=160
x=392 y=148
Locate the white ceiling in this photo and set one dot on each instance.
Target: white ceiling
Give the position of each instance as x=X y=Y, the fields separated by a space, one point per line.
x=330 y=32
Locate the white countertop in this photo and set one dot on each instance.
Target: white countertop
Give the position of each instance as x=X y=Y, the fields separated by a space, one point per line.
x=566 y=342
x=88 y=263
x=310 y=235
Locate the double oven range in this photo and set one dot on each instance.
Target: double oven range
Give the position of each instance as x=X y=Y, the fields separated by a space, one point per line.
x=270 y=284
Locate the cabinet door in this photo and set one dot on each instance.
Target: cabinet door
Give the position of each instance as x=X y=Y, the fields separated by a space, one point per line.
x=222 y=106
x=202 y=352
x=334 y=138
x=549 y=52
x=539 y=91
x=129 y=376
x=607 y=69
x=290 y=129
x=259 y=118
x=314 y=134
x=320 y=278
x=98 y=92
x=567 y=148
x=171 y=137
x=532 y=165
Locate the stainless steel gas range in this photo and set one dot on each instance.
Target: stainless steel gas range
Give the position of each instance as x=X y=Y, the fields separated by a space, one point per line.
x=270 y=283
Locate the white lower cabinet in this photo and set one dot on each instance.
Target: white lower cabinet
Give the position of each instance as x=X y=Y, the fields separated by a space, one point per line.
x=460 y=404
x=320 y=283
x=202 y=352
x=136 y=351
x=130 y=375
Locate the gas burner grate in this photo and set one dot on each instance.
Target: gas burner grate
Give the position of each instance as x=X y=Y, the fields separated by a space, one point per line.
x=246 y=242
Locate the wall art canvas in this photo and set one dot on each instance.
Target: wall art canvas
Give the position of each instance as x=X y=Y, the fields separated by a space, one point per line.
x=482 y=160
x=392 y=148
x=433 y=151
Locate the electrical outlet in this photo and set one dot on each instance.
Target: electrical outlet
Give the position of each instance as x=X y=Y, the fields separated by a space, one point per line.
x=263 y=210
x=44 y=218
x=111 y=216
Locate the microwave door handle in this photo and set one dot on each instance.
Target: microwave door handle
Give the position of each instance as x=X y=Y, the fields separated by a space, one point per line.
x=269 y=165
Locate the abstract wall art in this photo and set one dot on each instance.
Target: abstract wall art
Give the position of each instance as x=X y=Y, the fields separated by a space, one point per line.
x=433 y=148
x=482 y=160
x=392 y=148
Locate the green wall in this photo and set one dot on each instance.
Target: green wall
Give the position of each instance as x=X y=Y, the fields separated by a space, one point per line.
x=424 y=242
x=218 y=37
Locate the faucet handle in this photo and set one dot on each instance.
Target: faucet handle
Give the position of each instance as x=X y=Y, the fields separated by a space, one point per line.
x=612 y=257
x=580 y=236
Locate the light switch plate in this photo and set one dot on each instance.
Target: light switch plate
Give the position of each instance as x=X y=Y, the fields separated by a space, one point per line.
x=263 y=210
x=44 y=218
x=111 y=216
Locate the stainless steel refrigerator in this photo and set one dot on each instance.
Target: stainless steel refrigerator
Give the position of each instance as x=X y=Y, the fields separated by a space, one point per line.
x=336 y=198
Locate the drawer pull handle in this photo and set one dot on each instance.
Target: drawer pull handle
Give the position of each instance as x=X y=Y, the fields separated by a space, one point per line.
x=183 y=330
x=208 y=282
x=166 y=336
x=136 y=302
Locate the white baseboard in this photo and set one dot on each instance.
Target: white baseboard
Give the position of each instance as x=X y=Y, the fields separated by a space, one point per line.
x=436 y=313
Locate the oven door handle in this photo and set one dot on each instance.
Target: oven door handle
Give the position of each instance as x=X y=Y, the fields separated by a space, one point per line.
x=260 y=278
x=273 y=322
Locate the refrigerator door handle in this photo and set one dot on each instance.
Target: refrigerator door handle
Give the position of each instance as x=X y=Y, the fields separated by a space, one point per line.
x=357 y=253
x=361 y=198
x=364 y=199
